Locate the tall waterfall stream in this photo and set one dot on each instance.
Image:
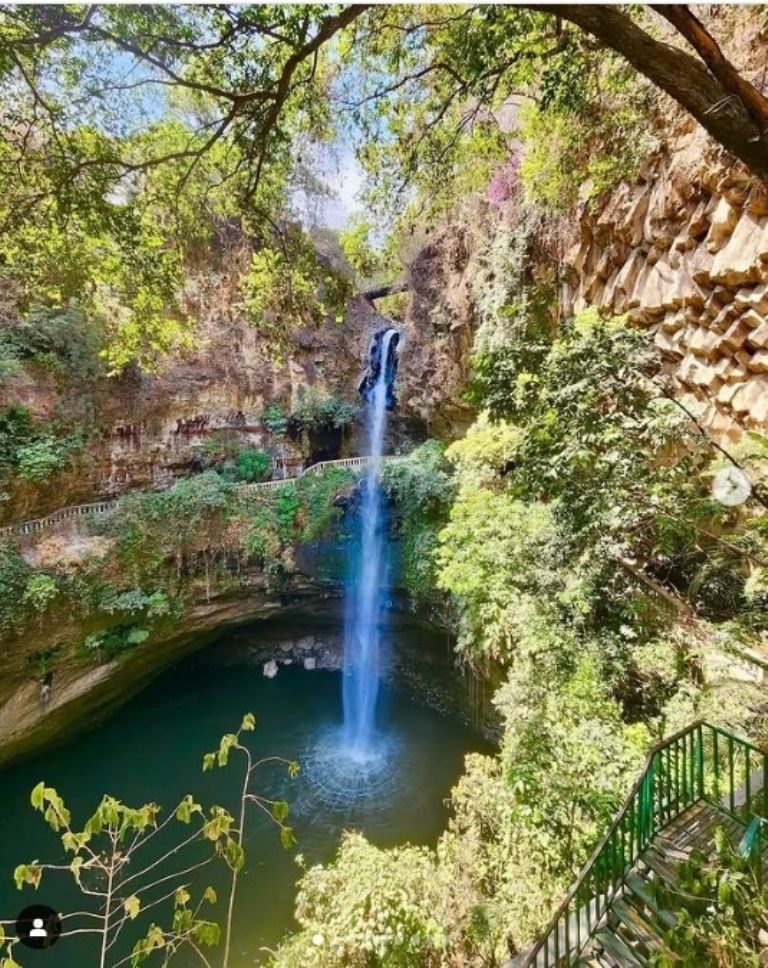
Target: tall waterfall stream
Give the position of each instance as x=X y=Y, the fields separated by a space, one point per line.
x=381 y=762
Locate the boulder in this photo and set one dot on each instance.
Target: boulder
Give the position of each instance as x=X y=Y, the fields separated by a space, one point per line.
x=724 y=318
x=751 y=397
x=699 y=223
x=706 y=378
x=628 y=273
x=270 y=669
x=737 y=371
x=758 y=399
x=310 y=663
x=673 y=322
x=758 y=300
x=757 y=203
x=700 y=265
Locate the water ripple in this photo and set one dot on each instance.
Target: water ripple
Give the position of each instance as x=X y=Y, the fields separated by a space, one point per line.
x=339 y=790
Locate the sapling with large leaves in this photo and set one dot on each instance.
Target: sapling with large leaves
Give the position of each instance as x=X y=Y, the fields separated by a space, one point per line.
x=139 y=875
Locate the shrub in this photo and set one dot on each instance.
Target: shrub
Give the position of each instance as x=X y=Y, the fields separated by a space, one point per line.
x=16 y=428
x=15 y=574
x=317 y=410
x=317 y=493
x=248 y=466
x=40 y=459
x=275 y=420
x=288 y=286
x=421 y=487
x=253 y=465
x=588 y=131
x=40 y=591
x=720 y=907
x=30 y=449
x=63 y=340
x=111 y=642
x=371 y=907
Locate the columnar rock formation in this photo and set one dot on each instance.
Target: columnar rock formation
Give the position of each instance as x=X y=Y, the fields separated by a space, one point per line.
x=684 y=251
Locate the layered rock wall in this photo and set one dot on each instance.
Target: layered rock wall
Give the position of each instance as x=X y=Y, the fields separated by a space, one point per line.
x=684 y=251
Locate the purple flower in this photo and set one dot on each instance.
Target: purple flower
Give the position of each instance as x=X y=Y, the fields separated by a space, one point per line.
x=504 y=179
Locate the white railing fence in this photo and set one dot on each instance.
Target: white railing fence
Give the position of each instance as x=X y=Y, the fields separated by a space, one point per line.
x=21 y=528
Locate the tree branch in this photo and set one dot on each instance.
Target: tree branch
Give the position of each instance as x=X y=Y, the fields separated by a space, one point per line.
x=678 y=73
x=705 y=45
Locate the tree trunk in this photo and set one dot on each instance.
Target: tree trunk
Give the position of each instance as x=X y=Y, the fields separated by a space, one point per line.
x=709 y=51
x=717 y=108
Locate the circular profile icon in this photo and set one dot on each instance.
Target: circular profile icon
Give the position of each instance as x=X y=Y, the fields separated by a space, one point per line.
x=38 y=926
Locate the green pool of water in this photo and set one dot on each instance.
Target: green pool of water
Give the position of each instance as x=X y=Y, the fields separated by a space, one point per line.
x=151 y=750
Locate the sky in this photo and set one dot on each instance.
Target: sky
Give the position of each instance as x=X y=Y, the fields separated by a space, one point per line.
x=346 y=181
x=338 y=167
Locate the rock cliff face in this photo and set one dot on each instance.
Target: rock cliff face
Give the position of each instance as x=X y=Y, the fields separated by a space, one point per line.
x=438 y=325
x=151 y=428
x=82 y=693
x=684 y=251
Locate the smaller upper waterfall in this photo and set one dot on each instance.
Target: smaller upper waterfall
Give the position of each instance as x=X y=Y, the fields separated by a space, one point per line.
x=367 y=586
x=381 y=367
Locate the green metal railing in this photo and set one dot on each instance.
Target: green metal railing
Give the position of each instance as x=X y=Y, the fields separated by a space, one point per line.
x=701 y=762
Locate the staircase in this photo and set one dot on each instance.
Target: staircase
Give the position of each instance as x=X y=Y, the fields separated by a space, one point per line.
x=696 y=781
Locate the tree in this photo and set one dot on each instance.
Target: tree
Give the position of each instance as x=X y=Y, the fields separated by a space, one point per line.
x=443 y=78
x=122 y=878
x=243 y=71
x=131 y=135
x=128 y=136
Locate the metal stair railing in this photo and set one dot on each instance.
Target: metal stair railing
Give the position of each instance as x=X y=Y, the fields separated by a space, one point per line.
x=35 y=525
x=701 y=762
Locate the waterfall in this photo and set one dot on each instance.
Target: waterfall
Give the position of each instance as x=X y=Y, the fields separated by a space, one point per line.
x=363 y=612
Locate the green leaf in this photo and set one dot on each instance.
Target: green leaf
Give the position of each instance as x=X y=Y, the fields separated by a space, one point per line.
x=287 y=838
x=249 y=722
x=207 y=933
x=36 y=797
x=186 y=808
x=28 y=874
x=153 y=940
x=75 y=866
x=234 y=855
x=280 y=810
x=132 y=906
x=209 y=895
